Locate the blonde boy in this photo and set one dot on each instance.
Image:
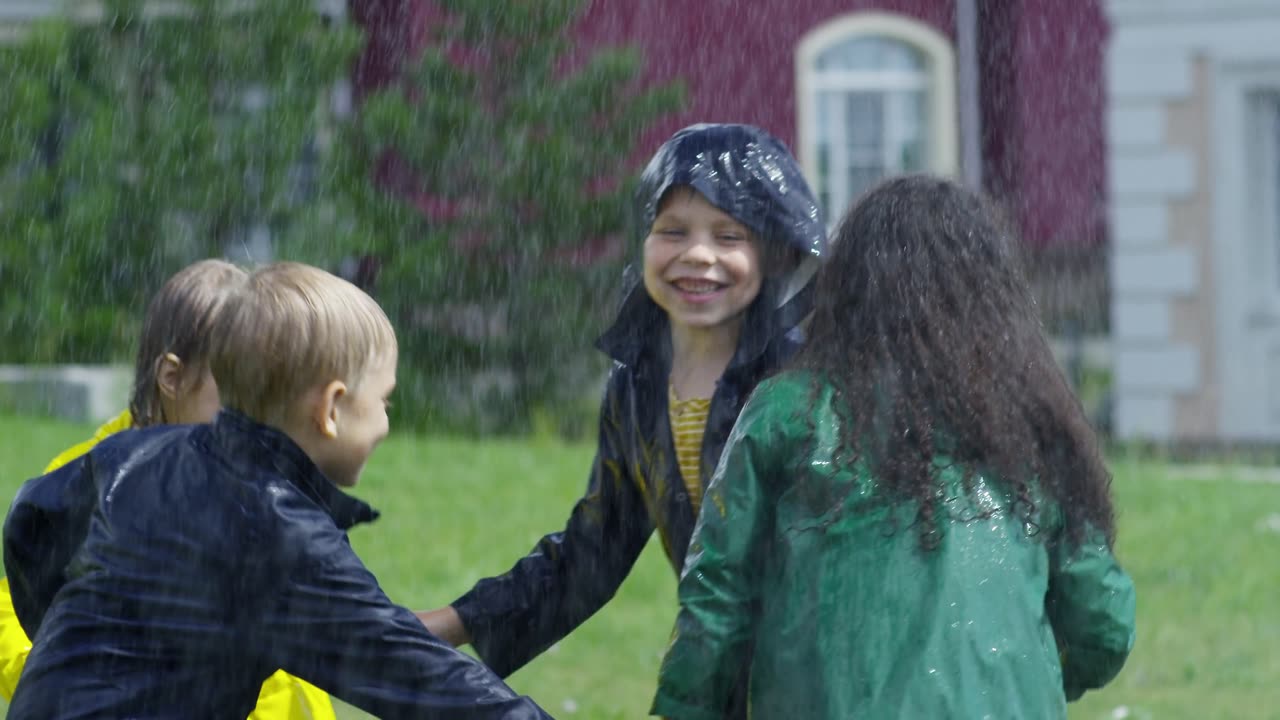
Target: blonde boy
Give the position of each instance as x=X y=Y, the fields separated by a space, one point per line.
x=212 y=555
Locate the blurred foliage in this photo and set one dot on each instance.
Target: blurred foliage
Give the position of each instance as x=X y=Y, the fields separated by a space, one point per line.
x=135 y=144
x=488 y=184
x=511 y=181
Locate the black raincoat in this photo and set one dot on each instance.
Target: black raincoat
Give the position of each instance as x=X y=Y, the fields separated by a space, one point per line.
x=635 y=485
x=171 y=570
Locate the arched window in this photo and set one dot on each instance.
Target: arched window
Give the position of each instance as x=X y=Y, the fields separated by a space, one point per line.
x=876 y=97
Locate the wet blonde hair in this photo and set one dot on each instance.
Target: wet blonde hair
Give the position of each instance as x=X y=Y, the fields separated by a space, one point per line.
x=178 y=320
x=289 y=328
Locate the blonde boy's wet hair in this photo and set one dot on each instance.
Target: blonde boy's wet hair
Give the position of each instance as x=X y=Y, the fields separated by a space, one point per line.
x=289 y=328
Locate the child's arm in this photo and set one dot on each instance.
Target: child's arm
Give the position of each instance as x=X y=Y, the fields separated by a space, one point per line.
x=446 y=624
x=334 y=627
x=45 y=526
x=1092 y=606
x=719 y=585
x=569 y=575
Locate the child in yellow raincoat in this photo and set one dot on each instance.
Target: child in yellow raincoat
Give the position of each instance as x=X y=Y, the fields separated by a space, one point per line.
x=172 y=385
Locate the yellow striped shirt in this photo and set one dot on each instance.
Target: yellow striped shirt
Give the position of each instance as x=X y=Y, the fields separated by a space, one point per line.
x=688 y=424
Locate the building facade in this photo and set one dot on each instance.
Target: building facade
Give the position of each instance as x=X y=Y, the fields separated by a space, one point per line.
x=1194 y=134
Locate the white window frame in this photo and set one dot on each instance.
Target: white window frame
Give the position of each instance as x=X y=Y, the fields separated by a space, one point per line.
x=940 y=91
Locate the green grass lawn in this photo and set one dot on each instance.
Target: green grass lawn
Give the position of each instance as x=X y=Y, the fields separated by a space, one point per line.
x=1203 y=553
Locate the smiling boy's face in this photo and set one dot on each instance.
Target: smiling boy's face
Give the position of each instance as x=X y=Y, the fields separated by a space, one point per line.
x=700 y=265
x=343 y=424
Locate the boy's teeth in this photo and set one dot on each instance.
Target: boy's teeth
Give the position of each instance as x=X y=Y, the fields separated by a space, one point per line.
x=696 y=286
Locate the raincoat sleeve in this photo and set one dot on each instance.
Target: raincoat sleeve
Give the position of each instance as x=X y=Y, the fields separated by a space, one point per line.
x=571 y=574
x=718 y=589
x=331 y=624
x=46 y=524
x=1092 y=607
x=15 y=645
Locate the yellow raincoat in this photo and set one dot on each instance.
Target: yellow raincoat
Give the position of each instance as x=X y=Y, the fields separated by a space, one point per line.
x=283 y=697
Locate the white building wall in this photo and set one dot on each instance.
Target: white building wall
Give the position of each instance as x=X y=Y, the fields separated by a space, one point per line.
x=1158 y=50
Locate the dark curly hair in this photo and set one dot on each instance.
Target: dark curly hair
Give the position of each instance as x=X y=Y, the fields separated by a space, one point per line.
x=926 y=330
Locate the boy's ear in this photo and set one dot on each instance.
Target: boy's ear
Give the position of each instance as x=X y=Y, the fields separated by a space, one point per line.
x=169 y=372
x=325 y=411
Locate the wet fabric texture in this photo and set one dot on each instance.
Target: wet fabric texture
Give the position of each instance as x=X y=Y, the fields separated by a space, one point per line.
x=850 y=617
x=282 y=697
x=634 y=485
x=171 y=570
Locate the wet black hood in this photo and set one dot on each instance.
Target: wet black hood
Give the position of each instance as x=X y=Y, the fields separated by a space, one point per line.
x=750 y=175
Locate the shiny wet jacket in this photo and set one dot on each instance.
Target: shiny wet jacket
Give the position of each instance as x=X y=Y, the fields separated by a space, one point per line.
x=171 y=570
x=850 y=618
x=635 y=485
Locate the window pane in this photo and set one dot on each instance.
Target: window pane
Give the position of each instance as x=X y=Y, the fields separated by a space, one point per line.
x=869 y=52
x=864 y=130
x=823 y=102
x=916 y=148
x=905 y=125
x=864 y=117
x=822 y=183
x=860 y=180
x=900 y=56
x=824 y=174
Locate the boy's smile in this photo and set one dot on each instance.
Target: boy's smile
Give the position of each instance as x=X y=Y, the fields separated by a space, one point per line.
x=695 y=290
x=700 y=265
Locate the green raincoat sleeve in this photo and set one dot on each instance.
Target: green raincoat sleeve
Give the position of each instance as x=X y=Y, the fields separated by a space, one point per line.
x=718 y=586
x=1092 y=607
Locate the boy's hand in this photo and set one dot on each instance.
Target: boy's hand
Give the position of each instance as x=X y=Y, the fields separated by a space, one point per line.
x=445 y=624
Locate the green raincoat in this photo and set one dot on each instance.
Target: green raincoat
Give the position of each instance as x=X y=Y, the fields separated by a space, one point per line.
x=850 y=618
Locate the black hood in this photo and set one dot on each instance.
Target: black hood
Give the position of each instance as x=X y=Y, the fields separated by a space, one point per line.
x=751 y=176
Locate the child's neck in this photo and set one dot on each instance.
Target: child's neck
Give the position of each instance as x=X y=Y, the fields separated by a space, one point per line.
x=699 y=357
